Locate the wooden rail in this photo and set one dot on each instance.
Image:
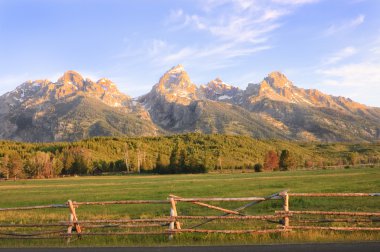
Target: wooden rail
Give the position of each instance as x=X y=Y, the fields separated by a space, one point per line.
x=166 y=219
x=122 y=202
x=249 y=217
x=33 y=207
x=173 y=197
x=176 y=223
x=336 y=228
x=334 y=194
x=230 y=231
x=217 y=199
x=328 y=213
x=286 y=210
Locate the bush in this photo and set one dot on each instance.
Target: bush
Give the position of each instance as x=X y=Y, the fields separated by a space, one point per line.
x=258 y=167
x=287 y=161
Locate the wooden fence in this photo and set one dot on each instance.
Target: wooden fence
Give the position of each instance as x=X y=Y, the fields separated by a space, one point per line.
x=285 y=220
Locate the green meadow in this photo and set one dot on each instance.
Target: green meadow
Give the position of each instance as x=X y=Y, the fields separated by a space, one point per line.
x=158 y=187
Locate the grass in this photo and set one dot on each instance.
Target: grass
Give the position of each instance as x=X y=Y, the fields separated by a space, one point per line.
x=58 y=191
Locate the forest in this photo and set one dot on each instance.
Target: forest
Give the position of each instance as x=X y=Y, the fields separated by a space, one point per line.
x=185 y=153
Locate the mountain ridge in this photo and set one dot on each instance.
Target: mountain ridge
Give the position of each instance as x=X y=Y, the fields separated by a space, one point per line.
x=273 y=108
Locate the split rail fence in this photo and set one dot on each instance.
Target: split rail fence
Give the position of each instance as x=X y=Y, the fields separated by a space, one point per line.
x=285 y=220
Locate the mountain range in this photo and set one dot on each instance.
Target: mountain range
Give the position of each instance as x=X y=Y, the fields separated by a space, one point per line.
x=73 y=108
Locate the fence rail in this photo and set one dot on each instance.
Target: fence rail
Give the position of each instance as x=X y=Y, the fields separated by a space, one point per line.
x=173 y=223
x=334 y=194
x=328 y=213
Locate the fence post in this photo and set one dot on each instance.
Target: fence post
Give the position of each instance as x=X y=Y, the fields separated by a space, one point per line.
x=173 y=204
x=285 y=196
x=73 y=218
x=70 y=227
x=174 y=224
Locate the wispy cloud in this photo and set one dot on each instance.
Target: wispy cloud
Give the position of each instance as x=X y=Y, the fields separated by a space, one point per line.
x=353 y=72
x=375 y=47
x=239 y=21
x=376 y=50
x=210 y=5
x=221 y=34
x=345 y=25
x=236 y=28
x=178 y=20
x=363 y=74
x=157 y=46
x=359 y=81
x=225 y=51
x=341 y=55
x=362 y=71
x=295 y=2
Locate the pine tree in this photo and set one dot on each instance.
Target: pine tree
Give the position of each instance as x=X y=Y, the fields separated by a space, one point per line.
x=183 y=161
x=286 y=161
x=159 y=164
x=174 y=159
x=258 y=167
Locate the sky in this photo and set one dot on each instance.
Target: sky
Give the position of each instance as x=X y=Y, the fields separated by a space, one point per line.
x=330 y=45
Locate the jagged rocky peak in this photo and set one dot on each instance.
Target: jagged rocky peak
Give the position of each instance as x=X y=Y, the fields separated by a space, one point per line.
x=43 y=110
x=276 y=86
x=218 y=84
x=72 y=78
x=107 y=85
x=176 y=86
x=31 y=86
x=252 y=88
x=278 y=80
x=105 y=82
x=217 y=89
x=177 y=69
x=70 y=84
x=176 y=78
x=36 y=83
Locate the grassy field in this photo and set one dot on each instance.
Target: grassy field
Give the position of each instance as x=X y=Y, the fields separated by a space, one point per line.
x=58 y=191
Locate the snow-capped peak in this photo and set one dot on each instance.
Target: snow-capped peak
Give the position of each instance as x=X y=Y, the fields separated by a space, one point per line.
x=71 y=77
x=278 y=80
x=177 y=69
x=218 y=83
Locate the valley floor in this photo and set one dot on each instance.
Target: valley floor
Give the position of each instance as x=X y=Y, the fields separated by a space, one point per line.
x=318 y=247
x=58 y=191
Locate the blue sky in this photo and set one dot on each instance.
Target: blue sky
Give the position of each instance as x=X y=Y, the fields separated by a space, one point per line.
x=330 y=45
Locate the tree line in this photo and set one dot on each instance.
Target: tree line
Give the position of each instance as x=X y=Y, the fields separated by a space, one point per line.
x=188 y=153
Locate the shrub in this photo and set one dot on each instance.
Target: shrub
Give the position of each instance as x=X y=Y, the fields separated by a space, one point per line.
x=258 y=167
x=271 y=161
x=287 y=161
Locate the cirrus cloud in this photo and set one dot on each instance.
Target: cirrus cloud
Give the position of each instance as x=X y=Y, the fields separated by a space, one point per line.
x=345 y=25
x=236 y=28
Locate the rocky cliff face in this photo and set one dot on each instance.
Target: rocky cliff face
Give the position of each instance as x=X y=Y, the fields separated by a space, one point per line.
x=175 y=86
x=277 y=87
x=173 y=102
x=70 y=84
x=308 y=114
x=218 y=90
x=70 y=109
x=74 y=108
